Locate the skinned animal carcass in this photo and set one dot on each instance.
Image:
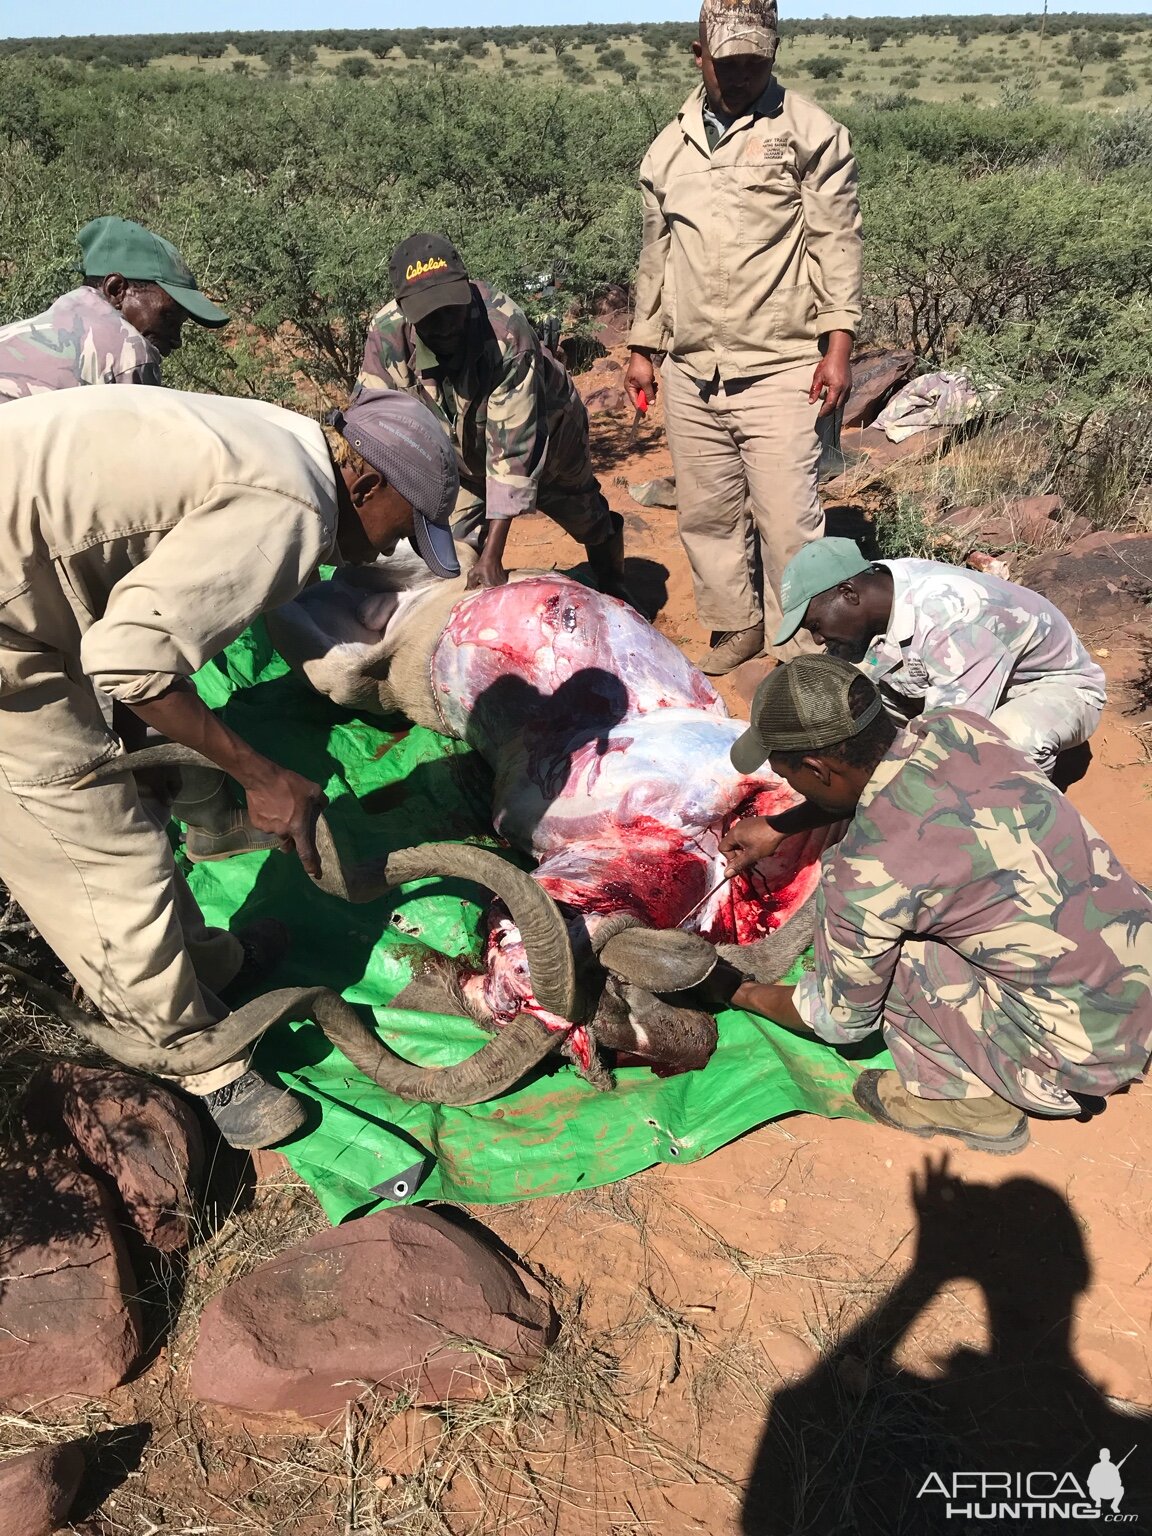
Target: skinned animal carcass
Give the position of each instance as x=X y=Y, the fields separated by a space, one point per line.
x=610 y=759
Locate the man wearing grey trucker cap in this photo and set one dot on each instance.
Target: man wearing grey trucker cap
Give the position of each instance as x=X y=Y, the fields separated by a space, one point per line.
x=143 y=529
x=968 y=911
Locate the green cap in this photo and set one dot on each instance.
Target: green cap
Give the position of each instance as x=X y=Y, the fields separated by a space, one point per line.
x=818 y=567
x=118 y=245
x=801 y=707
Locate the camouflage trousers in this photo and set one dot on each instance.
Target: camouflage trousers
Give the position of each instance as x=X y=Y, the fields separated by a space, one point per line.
x=569 y=493
x=1048 y=717
x=955 y=1034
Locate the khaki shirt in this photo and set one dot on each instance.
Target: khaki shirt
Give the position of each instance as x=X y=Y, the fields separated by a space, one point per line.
x=142 y=529
x=752 y=251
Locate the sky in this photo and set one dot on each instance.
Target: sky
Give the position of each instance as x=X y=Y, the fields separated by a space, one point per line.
x=18 y=19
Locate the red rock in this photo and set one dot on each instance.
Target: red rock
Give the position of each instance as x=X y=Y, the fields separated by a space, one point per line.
x=145 y=1140
x=1102 y=580
x=395 y=1301
x=69 y=1322
x=39 y=1488
x=875 y=376
x=748 y=676
x=606 y=401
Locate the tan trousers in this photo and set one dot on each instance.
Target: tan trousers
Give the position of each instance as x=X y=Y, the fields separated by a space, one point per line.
x=95 y=872
x=752 y=452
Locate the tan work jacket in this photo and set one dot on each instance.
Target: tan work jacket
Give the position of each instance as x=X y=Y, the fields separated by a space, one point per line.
x=142 y=529
x=752 y=250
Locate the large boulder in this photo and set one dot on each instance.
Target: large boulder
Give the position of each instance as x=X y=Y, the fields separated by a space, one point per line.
x=401 y=1301
x=69 y=1323
x=39 y=1488
x=145 y=1140
x=1101 y=581
x=876 y=375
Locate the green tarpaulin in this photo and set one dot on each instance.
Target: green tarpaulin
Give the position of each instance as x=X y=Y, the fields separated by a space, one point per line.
x=390 y=789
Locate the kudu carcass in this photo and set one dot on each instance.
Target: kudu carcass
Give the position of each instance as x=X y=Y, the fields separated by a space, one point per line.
x=609 y=754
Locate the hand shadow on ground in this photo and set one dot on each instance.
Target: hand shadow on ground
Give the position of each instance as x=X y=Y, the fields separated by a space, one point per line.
x=847 y=1451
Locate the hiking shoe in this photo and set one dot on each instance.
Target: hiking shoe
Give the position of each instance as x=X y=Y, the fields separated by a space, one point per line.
x=251 y=1113
x=265 y=943
x=985 y=1125
x=729 y=649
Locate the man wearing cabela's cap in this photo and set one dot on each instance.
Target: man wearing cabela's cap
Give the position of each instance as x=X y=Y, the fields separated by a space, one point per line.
x=127 y=315
x=968 y=911
x=511 y=409
x=143 y=529
x=750 y=283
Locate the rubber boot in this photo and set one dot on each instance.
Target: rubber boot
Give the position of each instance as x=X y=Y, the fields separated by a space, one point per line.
x=218 y=827
x=607 y=562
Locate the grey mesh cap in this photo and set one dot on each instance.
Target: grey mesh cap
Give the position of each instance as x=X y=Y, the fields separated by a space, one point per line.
x=801 y=707
x=402 y=438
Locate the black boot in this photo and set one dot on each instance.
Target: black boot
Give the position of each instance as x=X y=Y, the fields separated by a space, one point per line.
x=607 y=562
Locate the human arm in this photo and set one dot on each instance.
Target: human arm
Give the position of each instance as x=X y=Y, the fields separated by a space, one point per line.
x=828 y=194
x=280 y=802
x=773 y=1002
x=516 y=435
x=861 y=919
x=759 y=837
x=648 y=334
x=489 y=569
x=969 y=667
x=385 y=361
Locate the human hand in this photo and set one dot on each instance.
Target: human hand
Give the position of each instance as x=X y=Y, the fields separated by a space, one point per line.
x=285 y=805
x=833 y=376
x=748 y=842
x=640 y=378
x=486 y=573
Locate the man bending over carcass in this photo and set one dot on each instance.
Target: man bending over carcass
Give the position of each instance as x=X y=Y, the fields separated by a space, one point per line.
x=142 y=531
x=969 y=911
x=933 y=636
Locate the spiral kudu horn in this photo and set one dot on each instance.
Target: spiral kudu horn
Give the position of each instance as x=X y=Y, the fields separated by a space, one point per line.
x=547 y=947
x=495 y=1068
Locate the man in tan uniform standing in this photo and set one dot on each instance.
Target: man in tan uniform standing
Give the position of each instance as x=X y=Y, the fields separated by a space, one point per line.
x=750 y=281
x=140 y=531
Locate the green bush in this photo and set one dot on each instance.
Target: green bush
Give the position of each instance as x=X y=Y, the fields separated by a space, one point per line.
x=825 y=66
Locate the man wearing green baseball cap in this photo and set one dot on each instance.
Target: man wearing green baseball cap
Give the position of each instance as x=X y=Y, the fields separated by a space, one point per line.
x=137 y=293
x=936 y=636
x=968 y=912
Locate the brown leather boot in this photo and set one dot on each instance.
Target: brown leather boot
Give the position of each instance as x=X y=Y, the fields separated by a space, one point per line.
x=731 y=648
x=985 y=1125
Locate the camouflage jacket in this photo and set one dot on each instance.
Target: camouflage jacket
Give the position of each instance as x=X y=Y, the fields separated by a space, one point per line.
x=80 y=340
x=959 y=841
x=959 y=639
x=501 y=407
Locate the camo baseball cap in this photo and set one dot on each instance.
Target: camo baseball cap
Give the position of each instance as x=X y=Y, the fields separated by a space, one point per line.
x=730 y=27
x=116 y=245
x=801 y=707
x=402 y=438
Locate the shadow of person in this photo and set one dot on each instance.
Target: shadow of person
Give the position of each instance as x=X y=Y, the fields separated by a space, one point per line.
x=865 y=1446
x=550 y=729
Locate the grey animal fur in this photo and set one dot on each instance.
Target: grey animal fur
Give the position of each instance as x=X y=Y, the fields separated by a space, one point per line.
x=774 y=955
